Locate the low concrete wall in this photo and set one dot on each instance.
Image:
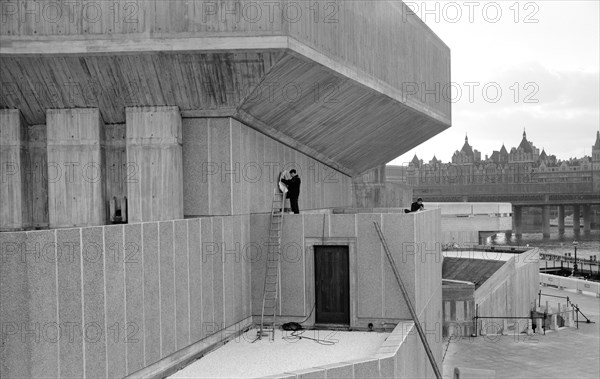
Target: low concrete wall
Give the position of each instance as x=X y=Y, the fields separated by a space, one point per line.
x=107 y=301
x=374 y=294
x=571 y=283
x=472 y=209
x=401 y=355
x=510 y=292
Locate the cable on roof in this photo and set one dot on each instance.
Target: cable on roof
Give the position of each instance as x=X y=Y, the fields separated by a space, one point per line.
x=298 y=335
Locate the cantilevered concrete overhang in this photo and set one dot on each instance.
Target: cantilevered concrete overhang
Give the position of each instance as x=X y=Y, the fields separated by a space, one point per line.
x=354 y=93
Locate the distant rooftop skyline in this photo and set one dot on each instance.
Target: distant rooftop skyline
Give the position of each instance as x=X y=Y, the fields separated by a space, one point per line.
x=518 y=65
x=469 y=146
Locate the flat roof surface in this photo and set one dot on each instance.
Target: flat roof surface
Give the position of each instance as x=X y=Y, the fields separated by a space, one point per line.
x=565 y=353
x=240 y=358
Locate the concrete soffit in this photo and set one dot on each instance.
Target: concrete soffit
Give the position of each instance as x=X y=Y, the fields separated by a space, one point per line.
x=15 y=47
x=68 y=45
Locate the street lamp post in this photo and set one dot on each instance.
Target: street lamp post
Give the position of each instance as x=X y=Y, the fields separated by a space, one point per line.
x=575 y=263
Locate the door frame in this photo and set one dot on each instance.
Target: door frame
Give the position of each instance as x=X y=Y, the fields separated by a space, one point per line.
x=309 y=276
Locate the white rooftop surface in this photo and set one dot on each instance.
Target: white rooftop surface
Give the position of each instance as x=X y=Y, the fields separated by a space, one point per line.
x=470 y=254
x=240 y=358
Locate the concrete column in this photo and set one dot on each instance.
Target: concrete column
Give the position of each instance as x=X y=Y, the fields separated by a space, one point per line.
x=75 y=167
x=587 y=218
x=517 y=213
x=37 y=152
x=154 y=151
x=576 y=213
x=546 y=221
x=561 y=219
x=15 y=189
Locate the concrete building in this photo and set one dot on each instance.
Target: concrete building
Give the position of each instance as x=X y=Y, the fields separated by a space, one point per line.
x=523 y=164
x=140 y=147
x=499 y=286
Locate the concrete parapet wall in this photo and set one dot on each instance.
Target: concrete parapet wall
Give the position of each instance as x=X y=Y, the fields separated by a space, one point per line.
x=112 y=300
x=400 y=356
x=509 y=292
x=107 y=301
x=471 y=209
x=374 y=294
x=570 y=283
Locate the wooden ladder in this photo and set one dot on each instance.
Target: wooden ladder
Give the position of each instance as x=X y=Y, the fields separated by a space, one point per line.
x=273 y=266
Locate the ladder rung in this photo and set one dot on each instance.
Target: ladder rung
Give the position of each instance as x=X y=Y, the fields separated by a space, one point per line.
x=271 y=285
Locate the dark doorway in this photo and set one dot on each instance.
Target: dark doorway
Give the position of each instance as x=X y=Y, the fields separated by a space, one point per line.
x=332 y=285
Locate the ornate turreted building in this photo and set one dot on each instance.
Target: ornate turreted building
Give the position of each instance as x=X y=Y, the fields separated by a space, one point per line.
x=466 y=155
x=523 y=176
x=525 y=152
x=523 y=164
x=596 y=151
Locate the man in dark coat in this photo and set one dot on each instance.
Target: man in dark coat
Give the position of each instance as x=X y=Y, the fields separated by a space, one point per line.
x=416 y=206
x=293 y=185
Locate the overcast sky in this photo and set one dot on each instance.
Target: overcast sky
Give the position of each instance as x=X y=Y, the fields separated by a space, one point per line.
x=550 y=48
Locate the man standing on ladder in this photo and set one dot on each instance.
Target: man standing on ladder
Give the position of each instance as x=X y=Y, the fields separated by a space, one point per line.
x=293 y=185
